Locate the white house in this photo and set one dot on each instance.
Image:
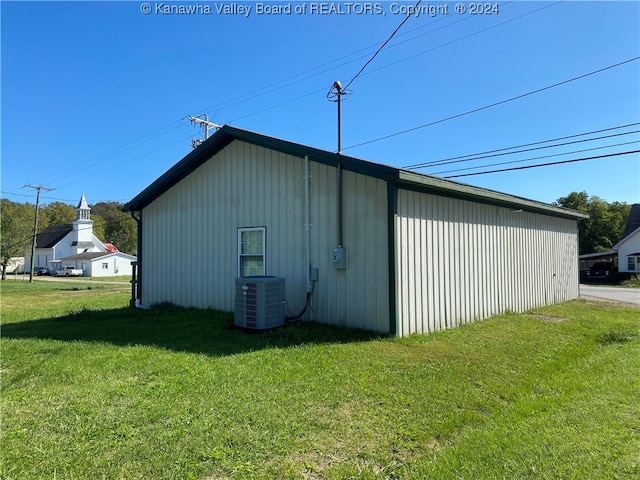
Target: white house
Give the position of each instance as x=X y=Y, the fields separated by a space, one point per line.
x=629 y=247
x=101 y=264
x=59 y=245
x=361 y=244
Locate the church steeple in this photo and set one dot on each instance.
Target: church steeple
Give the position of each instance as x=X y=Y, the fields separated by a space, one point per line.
x=83 y=212
x=82 y=235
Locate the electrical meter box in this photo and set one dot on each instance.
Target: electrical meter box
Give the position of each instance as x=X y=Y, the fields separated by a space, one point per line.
x=339 y=261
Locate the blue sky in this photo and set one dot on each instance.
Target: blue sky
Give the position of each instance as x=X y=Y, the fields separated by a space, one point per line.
x=95 y=95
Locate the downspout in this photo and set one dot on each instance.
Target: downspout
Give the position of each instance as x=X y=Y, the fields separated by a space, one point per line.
x=307 y=243
x=339 y=261
x=307 y=225
x=339 y=187
x=138 y=299
x=392 y=211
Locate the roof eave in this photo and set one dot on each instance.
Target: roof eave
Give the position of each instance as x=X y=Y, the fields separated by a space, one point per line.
x=625 y=239
x=464 y=191
x=225 y=136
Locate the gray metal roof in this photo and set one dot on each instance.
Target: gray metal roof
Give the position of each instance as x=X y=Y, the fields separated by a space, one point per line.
x=51 y=236
x=633 y=220
x=95 y=255
x=402 y=178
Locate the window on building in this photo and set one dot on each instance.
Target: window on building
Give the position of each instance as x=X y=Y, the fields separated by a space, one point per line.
x=631 y=264
x=251 y=251
x=105 y=266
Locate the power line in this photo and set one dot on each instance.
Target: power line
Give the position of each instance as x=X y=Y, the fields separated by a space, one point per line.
x=475 y=110
x=113 y=152
x=379 y=68
x=111 y=167
x=256 y=93
x=535 y=158
x=382 y=46
x=441 y=162
x=465 y=37
x=544 y=164
x=528 y=149
x=136 y=142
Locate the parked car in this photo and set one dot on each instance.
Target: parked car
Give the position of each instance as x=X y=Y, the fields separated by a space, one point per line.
x=69 y=271
x=602 y=272
x=42 y=271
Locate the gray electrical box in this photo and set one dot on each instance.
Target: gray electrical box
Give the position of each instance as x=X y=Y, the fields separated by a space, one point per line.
x=313 y=274
x=339 y=261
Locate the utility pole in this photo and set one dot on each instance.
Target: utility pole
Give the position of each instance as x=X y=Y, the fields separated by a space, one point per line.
x=335 y=95
x=35 y=225
x=206 y=125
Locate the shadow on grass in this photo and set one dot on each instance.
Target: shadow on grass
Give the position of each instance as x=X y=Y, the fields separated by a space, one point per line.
x=181 y=329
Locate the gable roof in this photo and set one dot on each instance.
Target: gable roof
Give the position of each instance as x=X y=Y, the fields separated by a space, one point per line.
x=626 y=238
x=633 y=220
x=401 y=178
x=52 y=235
x=97 y=255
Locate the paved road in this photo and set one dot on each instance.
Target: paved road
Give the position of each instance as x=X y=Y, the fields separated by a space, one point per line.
x=617 y=294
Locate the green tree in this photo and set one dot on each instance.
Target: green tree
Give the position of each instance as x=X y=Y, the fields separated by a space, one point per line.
x=576 y=201
x=606 y=222
x=56 y=213
x=16 y=231
x=119 y=228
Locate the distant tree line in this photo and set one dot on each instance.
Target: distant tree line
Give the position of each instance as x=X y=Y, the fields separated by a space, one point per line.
x=605 y=225
x=110 y=224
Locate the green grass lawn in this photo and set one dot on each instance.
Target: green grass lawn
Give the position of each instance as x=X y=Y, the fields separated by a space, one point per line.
x=92 y=389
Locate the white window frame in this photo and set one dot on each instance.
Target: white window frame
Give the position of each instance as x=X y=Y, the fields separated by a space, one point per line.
x=631 y=263
x=262 y=254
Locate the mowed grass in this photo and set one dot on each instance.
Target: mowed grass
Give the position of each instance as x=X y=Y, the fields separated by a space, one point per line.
x=92 y=389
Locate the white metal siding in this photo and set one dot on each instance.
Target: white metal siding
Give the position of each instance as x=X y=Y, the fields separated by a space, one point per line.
x=459 y=261
x=629 y=246
x=190 y=236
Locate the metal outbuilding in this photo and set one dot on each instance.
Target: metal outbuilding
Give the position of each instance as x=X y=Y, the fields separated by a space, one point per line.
x=360 y=244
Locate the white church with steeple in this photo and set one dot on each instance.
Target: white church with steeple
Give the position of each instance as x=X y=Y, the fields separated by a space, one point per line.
x=75 y=244
x=82 y=237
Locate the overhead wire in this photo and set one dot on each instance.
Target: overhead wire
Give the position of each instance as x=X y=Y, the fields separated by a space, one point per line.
x=361 y=72
x=384 y=44
x=111 y=153
x=390 y=64
x=495 y=104
x=465 y=37
x=437 y=162
x=544 y=164
x=256 y=93
x=111 y=167
x=535 y=158
x=136 y=142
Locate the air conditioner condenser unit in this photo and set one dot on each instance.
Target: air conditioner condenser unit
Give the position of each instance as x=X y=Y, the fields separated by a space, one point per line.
x=260 y=302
